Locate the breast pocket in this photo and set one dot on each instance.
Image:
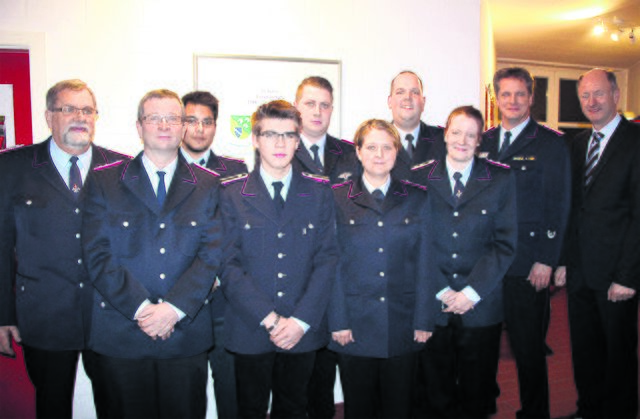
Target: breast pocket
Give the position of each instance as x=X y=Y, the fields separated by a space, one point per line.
x=252 y=234
x=125 y=230
x=188 y=231
x=31 y=214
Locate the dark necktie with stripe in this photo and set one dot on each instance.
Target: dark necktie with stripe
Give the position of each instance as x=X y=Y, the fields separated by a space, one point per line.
x=410 y=147
x=75 y=178
x=458 y=187
x=592 y=157
x=162 y=190
x=316 y=157
x=277 y=196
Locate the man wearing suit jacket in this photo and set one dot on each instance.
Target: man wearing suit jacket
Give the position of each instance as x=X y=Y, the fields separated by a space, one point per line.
x=540 y=160
x=201 y=115
x=420 y=142
x=280 y=260
x=322 y=154
x=602 y=253
x=45 y=294
x=151 y=242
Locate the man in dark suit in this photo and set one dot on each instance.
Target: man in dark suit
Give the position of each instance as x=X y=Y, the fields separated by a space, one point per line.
x=45 y=294
x=322 y=154
x=540 y=160
x=201 y=115
x=420 y=142
x=319 y=152
x=280 y=260
x=602 y=253
x=152 y=247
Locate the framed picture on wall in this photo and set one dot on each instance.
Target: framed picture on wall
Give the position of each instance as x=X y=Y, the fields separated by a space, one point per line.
x=242 y=83
x=7 y=127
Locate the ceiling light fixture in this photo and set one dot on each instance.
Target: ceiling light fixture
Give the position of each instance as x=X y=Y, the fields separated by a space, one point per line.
x=617 y=28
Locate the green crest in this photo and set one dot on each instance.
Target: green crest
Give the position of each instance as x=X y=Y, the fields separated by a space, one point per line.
x=240 y=126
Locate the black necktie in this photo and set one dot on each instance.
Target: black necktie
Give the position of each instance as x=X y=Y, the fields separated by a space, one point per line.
x=592 y=157
x=277 y=196
x=410 y=147
x=506 y=143
x=202 y=162
x=162 y=190
x=316 y=157
x=458 y=188
x=378 y=196
x=75 y=178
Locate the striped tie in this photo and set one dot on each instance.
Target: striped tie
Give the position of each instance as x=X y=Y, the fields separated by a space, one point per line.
x=592 y=157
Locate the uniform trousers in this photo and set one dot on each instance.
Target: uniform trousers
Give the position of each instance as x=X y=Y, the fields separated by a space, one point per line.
x=223 y=374
x=154 y=388
x=53 y=375
x=526 y=316
x=460 y=369
x=285 y=374
x=377 y=387
x=321 y=403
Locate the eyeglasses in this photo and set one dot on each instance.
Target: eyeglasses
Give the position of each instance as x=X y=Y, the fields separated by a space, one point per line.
x=156 y=119
x=72 y=110
x=194 y=122
x=274 y=136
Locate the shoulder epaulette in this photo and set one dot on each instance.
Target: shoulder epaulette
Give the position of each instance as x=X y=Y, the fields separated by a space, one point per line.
x=232 y=179
x=490 y=130
x=108 y=165
x=236 y=159
x=498 y=164
x=422 y=165
x=206 y=169
x=558 y=133
x=340 y=185
x=316 y=178
x=14 y=148
x=415 y=185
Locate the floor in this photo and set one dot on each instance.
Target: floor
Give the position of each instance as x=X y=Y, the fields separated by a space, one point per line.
x=561 y=386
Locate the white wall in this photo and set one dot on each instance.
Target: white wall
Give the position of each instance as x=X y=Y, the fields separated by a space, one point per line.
x=124 y=48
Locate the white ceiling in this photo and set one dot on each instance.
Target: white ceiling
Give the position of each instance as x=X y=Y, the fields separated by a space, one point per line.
x=561 y=31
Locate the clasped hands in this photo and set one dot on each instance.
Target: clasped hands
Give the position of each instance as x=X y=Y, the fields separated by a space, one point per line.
x=456 y=302
x=157 y=320
x=284 y=332
x=344 y=337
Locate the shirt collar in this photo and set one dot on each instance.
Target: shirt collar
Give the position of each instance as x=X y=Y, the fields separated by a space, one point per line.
x=403 y=134
x=268 y=180
x=152 y=170
x=61 y=161
x=466 y=173
x=383 y=188
x=190 y=159
x=321 y=143
x=515 y=131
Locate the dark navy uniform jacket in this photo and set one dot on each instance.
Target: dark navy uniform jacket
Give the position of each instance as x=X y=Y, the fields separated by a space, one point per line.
x=540 y=160
x=136 y=250
x=381 y=290
x=283 y=263
x=428 y=146
x=40 y=250
x=472 y=241
x=225 y=166
x=340 y=160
